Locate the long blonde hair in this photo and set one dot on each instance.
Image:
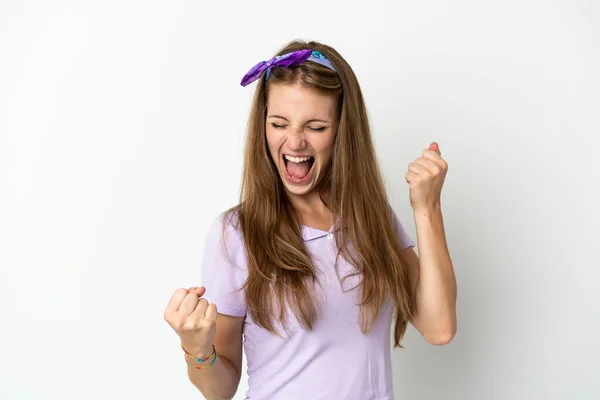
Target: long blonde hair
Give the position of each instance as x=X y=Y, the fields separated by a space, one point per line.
x=280 y=271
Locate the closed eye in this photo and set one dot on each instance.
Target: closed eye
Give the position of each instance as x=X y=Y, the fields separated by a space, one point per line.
x=314 y=129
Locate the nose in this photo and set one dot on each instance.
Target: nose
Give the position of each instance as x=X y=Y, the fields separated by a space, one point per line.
x=296 y=140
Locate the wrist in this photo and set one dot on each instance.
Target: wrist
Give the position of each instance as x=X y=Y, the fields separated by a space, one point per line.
x=200 y=363
x=427 y=210
x=197 y=352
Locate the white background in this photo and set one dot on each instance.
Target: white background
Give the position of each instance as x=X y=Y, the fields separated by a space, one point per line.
x=121 y=138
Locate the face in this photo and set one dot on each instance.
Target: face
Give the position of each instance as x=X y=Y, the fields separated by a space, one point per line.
x=301 y=128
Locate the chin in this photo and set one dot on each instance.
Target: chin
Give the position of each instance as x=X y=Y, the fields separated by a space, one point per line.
x=299 y=191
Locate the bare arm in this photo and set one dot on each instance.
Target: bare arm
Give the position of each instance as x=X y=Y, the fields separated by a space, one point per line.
x=221 y=380
x=433 y=281
x=432 y=273
x=200 y=326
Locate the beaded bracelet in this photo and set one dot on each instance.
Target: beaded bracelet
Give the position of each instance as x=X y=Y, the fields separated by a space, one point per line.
x=200 y=360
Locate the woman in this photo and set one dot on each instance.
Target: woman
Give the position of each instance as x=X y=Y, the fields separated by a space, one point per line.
x=312 y=265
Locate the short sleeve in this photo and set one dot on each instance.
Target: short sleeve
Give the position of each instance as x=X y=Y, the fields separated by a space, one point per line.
x=405 y=240
x=224 y=269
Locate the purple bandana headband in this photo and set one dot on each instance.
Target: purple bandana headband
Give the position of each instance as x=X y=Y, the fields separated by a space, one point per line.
x=284 y=61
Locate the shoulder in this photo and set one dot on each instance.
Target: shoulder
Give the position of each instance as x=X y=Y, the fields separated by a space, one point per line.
x=405 y=238
x=224 y=269
x=225 y=225
x=224 y=235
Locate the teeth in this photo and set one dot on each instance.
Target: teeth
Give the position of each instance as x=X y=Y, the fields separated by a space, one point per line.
x=297 y=159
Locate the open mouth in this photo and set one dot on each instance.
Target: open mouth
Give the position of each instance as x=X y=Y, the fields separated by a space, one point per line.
x=298 y=168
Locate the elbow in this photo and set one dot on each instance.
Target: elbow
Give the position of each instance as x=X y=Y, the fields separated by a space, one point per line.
x=209 y=393
x=441 y=336
x=439 y=339
x=214 y=396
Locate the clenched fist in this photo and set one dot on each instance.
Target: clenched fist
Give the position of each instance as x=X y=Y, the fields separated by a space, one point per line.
x=425 y=177
x=194 y=320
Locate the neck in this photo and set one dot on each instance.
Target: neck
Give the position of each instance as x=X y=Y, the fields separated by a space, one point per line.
x=312 y=210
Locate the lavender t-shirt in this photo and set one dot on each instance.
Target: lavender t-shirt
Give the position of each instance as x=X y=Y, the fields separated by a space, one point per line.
x=333 y=361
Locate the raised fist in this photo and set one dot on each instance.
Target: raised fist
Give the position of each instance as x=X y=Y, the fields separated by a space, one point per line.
x=194 y=320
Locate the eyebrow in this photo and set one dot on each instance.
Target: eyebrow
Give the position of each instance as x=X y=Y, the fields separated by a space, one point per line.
x=311 y=120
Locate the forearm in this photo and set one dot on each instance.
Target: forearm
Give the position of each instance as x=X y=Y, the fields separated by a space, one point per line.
x=218 y=382
x=435 y=296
